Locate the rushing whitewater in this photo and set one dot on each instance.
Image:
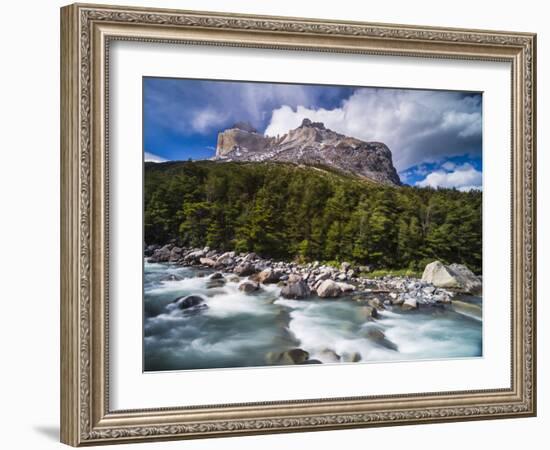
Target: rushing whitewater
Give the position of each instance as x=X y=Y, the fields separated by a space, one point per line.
x=234 y=329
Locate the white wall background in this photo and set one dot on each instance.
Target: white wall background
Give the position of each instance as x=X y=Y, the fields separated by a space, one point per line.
x=29 y=225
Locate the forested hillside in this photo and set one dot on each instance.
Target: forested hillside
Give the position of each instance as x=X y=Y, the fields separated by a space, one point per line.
x=288 y=212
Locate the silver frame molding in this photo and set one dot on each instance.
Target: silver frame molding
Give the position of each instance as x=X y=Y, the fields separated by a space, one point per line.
x=86 y=32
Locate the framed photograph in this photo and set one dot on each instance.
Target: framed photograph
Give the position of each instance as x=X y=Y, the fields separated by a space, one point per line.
x=277 y=224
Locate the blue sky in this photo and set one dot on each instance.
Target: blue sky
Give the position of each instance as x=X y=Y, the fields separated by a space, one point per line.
x=434 y=136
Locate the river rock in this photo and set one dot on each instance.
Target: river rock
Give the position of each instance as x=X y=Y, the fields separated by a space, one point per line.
x=378 y=336
x=323 y=276
x=216 y=283
x=194 y=256
x=367 y=312
x=329 y=289
x=175 y=254
x=346 y=287
x=248 y=286
x=428 y=290
x=250 y=257
x=161 y=254
x=216 y=276
x=329 y=355
x=351 y=357
x=293 y=356
x=376 y=303
x=441 y=296
x=226 y=259
x=469 y=282
x=269 y=276
x=455 y=276
x=409 y=303
x=244 y=269
x=207 y=262
x=295 y=288
x=171 y=277
x=188 y=302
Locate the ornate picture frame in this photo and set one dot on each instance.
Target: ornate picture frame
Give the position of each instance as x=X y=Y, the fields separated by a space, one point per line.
x=86 y=34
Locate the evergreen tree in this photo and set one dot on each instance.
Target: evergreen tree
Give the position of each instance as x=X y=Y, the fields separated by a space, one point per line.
x=286 y=211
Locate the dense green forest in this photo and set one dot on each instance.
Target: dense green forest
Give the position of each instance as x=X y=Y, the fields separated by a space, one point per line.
x=287 y=212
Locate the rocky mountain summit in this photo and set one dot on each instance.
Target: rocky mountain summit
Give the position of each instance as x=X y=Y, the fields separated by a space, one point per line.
x=310 y=144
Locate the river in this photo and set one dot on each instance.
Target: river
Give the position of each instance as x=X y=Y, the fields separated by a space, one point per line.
x=243 y=330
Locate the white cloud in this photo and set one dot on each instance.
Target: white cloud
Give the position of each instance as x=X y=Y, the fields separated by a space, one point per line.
x=207 y=119
x=448 y=165
x=464 y=177
x=151 y=157
x=418 y=126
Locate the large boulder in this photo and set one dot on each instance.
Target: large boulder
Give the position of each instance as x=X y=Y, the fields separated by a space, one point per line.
x=248 y=287
x=329 y=289
x=295 y=288
x=455 y=276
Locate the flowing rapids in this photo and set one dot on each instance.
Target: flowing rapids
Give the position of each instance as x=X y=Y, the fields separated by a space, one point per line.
x=241 y=330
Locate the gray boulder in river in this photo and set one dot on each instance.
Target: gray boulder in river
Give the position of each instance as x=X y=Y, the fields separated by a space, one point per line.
x=295 y=288
x=248 y=286
x=455 y=276
x=190 y=303
x=329 y=288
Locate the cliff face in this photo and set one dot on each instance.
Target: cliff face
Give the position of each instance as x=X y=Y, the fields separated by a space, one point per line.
x=311 y=144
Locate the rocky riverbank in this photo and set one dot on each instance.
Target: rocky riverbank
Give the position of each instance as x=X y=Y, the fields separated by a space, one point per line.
x=438 y=285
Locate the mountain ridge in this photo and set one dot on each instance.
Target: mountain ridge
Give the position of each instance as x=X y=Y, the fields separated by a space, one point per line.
x=310 y=144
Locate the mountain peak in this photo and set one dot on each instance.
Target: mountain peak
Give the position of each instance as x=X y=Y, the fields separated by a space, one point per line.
x=307 y=123
x=310 y=144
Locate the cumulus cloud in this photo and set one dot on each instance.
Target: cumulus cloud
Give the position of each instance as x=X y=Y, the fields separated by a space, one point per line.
x=151 y=157
x=418 y=126
x=464 y=177
x=206 y=119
